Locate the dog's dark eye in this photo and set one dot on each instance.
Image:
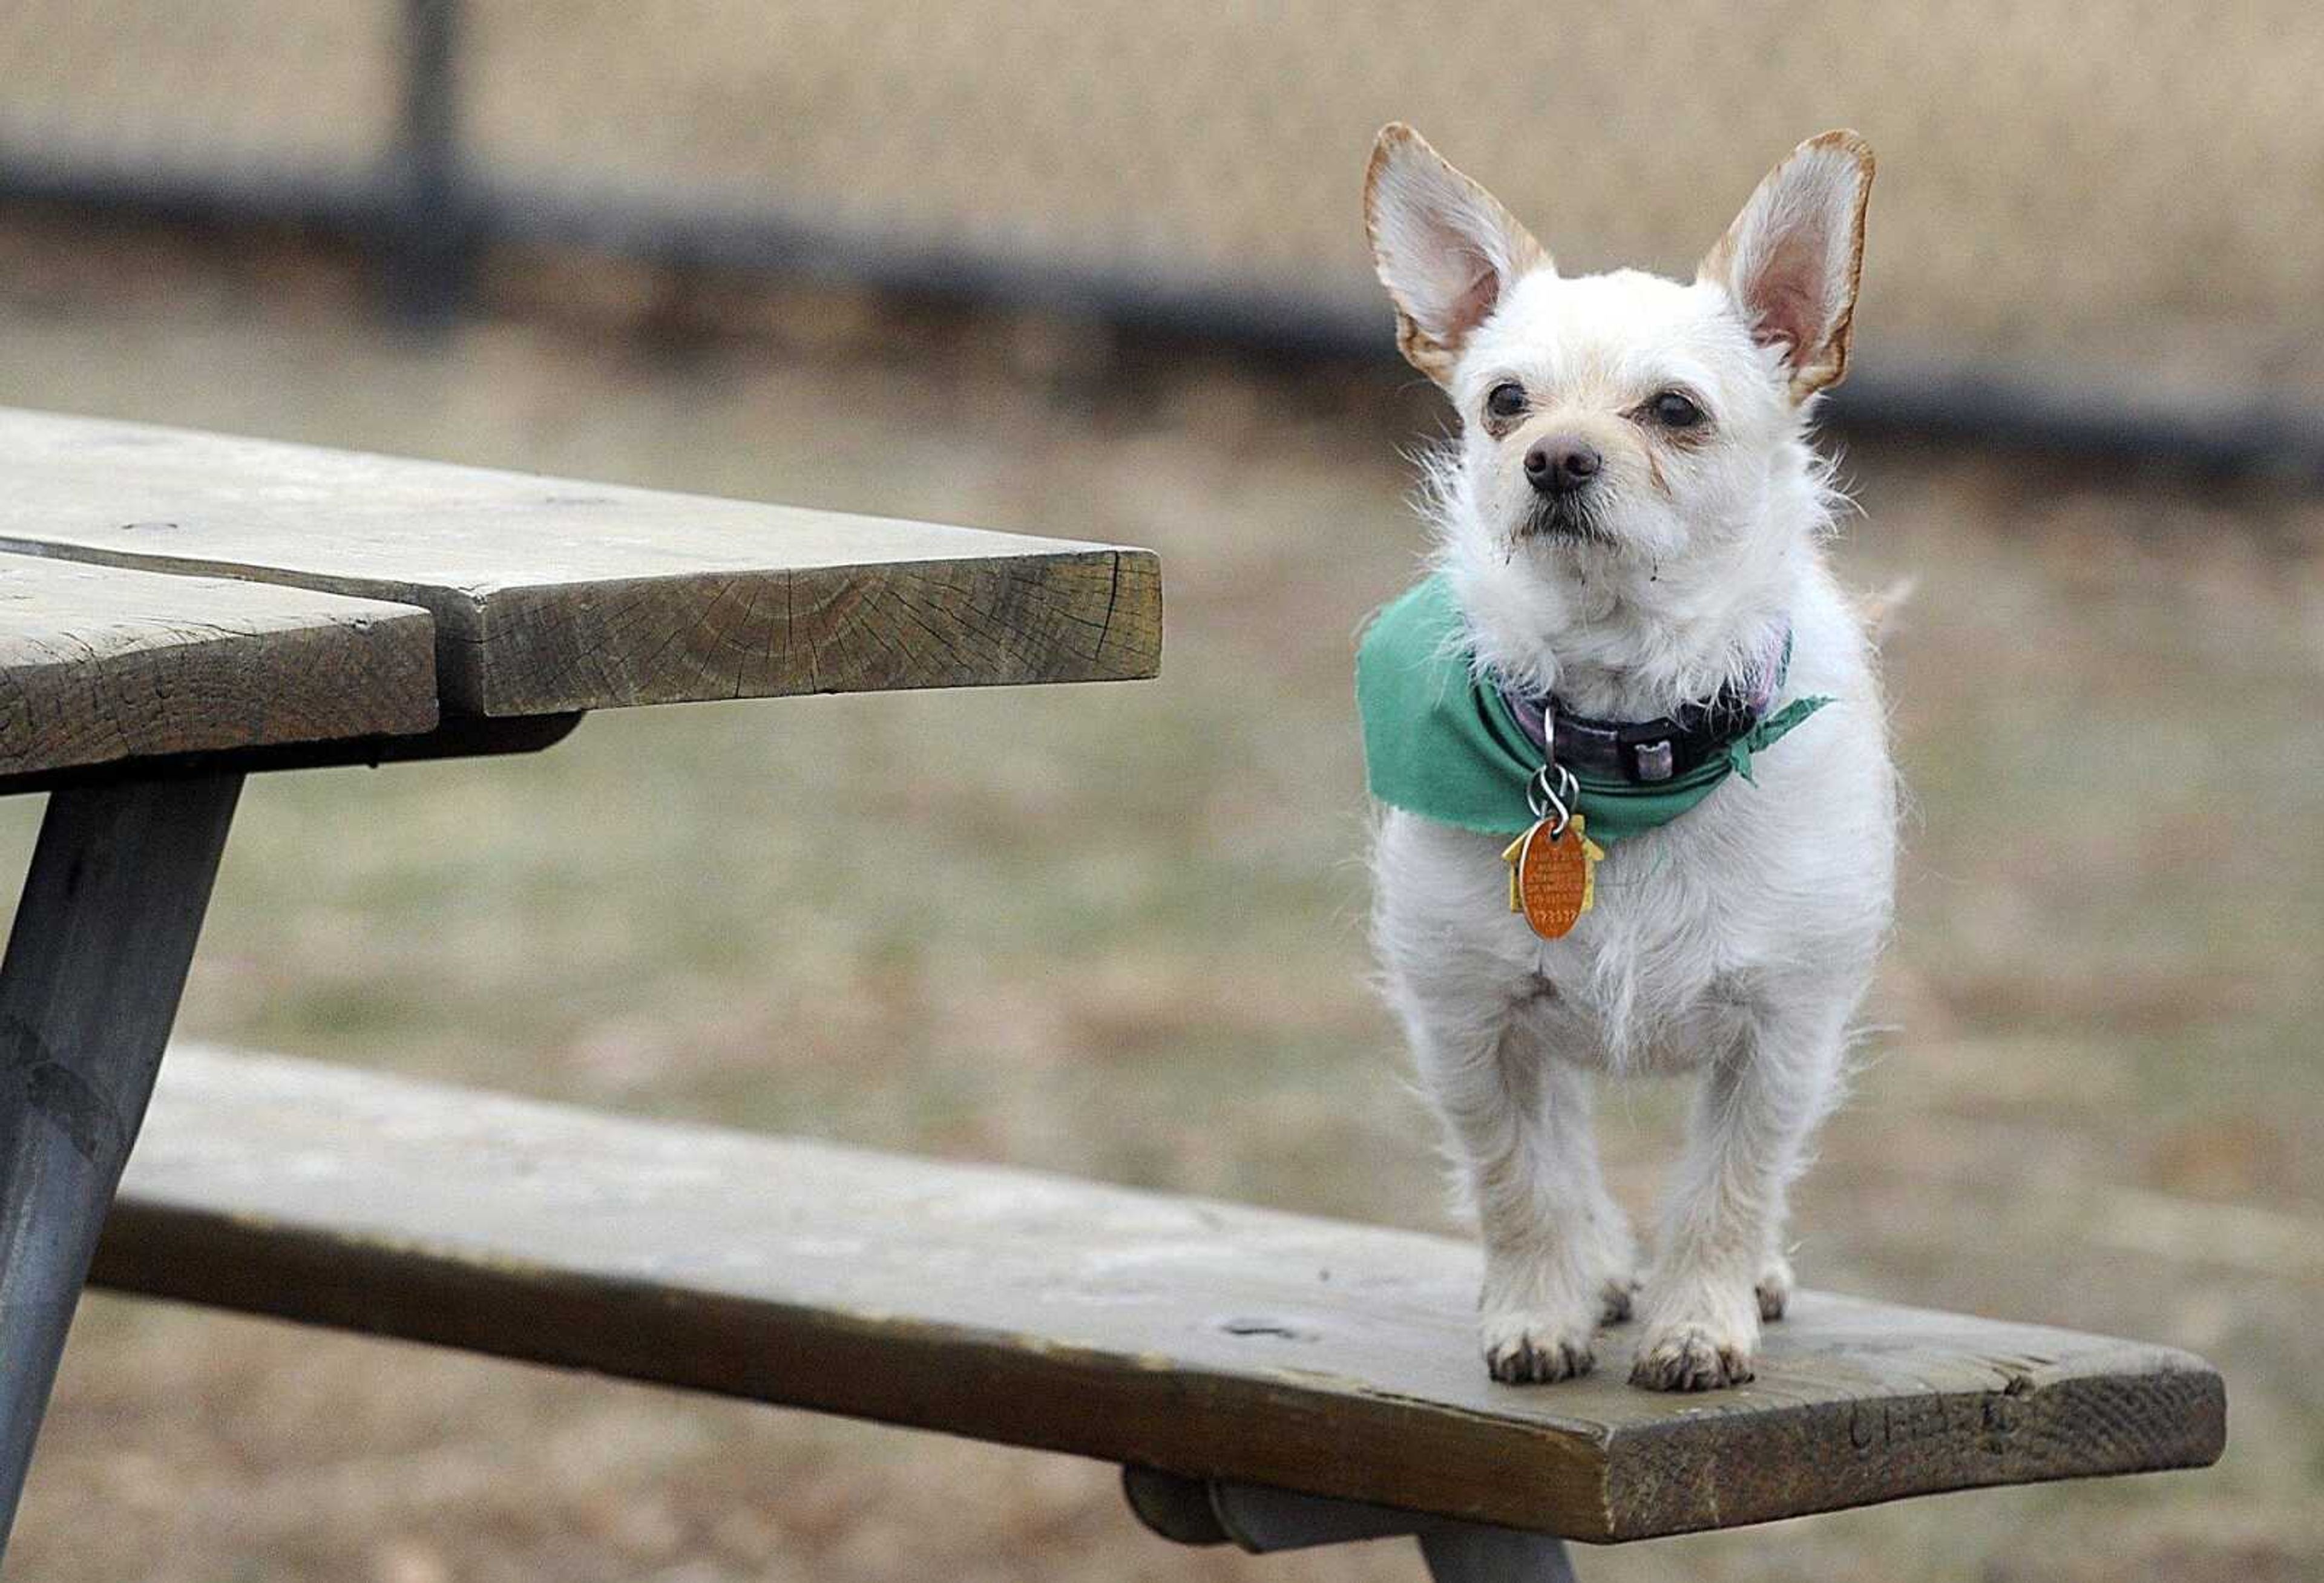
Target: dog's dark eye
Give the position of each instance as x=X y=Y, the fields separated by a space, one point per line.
x=1672 y=411
x=1506 y=399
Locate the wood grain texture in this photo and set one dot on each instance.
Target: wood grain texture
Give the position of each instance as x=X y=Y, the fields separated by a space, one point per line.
x=552 y=596
x=1202 y=1339
x=99 y=665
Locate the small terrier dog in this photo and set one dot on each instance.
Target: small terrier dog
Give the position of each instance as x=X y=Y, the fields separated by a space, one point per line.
x=1628 y=599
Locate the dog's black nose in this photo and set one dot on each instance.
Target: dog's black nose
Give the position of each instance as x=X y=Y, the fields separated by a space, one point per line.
x=1561 y=467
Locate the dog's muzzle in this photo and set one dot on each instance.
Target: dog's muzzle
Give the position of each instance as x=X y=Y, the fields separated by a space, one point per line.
x=1564 y=471
x=1563 y=515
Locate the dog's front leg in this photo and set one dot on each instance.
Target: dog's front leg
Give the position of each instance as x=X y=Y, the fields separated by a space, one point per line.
x=1719 y=1265
x=1558 y=1254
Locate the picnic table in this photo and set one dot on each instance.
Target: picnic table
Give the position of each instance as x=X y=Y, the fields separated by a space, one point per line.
x=178 y=610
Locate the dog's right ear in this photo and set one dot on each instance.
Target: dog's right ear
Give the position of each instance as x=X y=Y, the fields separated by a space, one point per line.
x=1445 y=248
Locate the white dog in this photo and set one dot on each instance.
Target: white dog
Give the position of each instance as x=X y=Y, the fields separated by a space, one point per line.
x=1629 y=618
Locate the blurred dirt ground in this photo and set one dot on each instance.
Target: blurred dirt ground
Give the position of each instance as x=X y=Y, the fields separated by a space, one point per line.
x=1118 y=930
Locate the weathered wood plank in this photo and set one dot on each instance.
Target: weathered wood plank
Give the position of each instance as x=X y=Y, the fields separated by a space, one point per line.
x=1202 y=1339
x=553 y=596
x=99 y=665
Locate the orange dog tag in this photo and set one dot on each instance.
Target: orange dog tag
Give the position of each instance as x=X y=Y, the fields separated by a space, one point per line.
x=1553 y=878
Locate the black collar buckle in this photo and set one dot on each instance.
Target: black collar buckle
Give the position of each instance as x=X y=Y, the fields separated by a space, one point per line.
x=1649 y=753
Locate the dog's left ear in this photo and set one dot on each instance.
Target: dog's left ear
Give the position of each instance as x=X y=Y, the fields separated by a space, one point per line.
x=1792 y=258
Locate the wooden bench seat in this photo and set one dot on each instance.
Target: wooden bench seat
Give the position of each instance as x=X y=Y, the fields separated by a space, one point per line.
x=1207 y=1340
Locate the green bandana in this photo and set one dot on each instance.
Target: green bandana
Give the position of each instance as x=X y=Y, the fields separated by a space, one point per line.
x=1441 y=743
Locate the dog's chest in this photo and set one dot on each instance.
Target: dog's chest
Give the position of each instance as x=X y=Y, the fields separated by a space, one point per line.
x=1650 y=966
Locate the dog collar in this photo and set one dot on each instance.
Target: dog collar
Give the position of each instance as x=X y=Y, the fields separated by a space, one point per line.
x=1650 y=752
x=1450 y=746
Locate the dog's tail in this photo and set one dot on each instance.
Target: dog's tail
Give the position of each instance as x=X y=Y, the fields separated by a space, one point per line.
x=1877 y=610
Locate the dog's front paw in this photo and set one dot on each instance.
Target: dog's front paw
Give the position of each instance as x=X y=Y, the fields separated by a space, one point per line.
x=1529 y=1348
x=1691 y=1356
x=1774 y=1288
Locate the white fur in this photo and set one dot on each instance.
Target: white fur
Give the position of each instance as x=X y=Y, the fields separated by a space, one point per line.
x=1736 y=941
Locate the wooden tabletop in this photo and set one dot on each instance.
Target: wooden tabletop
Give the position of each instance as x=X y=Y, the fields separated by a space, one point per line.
x=550 y=596
x=99 y=665
x=1205 y=1338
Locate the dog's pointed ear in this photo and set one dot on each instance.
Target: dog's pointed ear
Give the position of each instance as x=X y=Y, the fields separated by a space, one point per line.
x=1791 y=259
x=1445 y=248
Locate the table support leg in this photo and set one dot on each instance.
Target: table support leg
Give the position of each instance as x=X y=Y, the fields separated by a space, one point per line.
x=112 y=906
x=1262 y=1520
x=1472 y=1553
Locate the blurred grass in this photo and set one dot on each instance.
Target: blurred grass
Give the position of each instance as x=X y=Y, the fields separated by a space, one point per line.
x=1116 y=930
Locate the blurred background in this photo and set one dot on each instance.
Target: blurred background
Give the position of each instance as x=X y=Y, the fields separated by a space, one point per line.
x=1096 y=269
